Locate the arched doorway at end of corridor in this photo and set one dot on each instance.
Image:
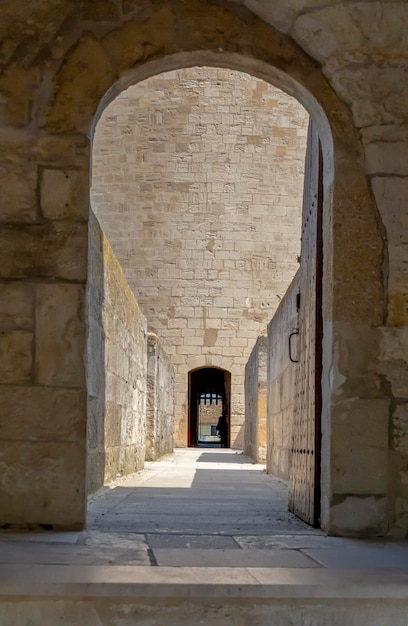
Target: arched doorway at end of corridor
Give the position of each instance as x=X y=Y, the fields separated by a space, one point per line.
x=209 y=393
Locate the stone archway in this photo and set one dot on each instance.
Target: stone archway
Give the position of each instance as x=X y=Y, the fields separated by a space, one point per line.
x=54 y=251
x=197 y=181
x=209 y=397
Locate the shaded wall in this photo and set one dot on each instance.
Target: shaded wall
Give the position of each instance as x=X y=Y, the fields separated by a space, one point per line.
x=281 y=381
x=255 y=401
x=160 y=401
x=116 y=368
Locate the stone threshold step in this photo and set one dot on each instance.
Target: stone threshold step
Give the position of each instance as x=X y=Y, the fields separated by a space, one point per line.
x=223 y=583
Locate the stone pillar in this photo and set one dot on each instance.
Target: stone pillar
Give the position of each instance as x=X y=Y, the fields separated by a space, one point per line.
x=255 y=401
x=160 y=401
x=355 y=413
x=43 y=267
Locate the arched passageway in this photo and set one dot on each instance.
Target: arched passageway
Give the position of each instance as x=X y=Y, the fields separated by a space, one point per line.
x=209 y=393
x=337 y=136
x=197 y=182
x=56 y=93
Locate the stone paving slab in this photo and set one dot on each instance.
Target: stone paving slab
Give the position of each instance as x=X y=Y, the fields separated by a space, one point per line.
x=360 y=555
x=192 y=541
x=128 y=541
x=200 y=582
x=232 y=558
x=310 y=539
x=211 y=519
x=39 y=553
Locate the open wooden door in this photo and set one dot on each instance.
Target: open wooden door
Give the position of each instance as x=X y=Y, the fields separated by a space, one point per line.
x=304 y=485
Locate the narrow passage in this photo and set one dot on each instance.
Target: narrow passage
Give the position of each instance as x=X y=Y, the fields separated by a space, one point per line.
x=202 y=506
x=195 y=509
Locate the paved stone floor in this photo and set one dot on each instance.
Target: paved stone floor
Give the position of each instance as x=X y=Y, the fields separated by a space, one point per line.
x=200 y=525
x=199 y=507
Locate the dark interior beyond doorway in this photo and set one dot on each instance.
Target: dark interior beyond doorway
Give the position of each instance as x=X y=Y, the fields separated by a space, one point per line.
x=209 y=399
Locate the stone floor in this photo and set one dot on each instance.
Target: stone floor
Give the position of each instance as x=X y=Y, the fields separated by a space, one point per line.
x=200 y=524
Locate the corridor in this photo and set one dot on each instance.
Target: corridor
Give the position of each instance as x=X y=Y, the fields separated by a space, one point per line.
x=198 y=508
x=202 y=507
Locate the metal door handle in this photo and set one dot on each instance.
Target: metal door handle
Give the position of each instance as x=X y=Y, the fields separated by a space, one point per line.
x=295 y=332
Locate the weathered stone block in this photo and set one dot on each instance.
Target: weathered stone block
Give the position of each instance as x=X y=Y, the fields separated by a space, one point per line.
x=95 y=421
x=361 y=467
x=396 y=374
x=356 y=350
x=392 y=363
x=113 y=423
x=390 y=193
x=44 y=413
x=84 y=78
x=95 y=358
x=274 y=397
x=400 y=428
x=64 y=194
x=16 y=349
x=98 y=11
x=341 y=33
x=385 y=157
x=60 y=335
x=18 y=86
x=95 y=470
x=18 y=193
x=16 y=306
x=401 y=514
x=132 y=459
x=139 y=40
x=359 y=516
x=43 y=482
x=218 y=28
x=51 y=250
x=113 y=466
x=56 y=150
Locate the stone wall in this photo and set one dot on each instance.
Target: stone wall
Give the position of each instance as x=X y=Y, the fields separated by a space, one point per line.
x=197 y=180
x=42 y=390
x=281 y=384
x=255 y=401
x=116 y=360
x=62 y=63
x=160 y=401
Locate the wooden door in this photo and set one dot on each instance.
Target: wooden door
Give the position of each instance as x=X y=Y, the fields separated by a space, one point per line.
x=304 y=485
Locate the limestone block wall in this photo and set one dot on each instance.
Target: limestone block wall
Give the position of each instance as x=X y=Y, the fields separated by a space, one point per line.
x=160 y=401
x=116 y=367
x=42 y=390
x=347 y=62
x=255 y=401
x=197 y=181
x=281 y=384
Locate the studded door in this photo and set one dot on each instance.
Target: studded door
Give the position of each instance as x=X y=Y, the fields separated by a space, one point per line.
x=304 y=486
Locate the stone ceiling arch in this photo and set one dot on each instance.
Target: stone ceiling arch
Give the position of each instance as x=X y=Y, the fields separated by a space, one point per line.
x=195 y=34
